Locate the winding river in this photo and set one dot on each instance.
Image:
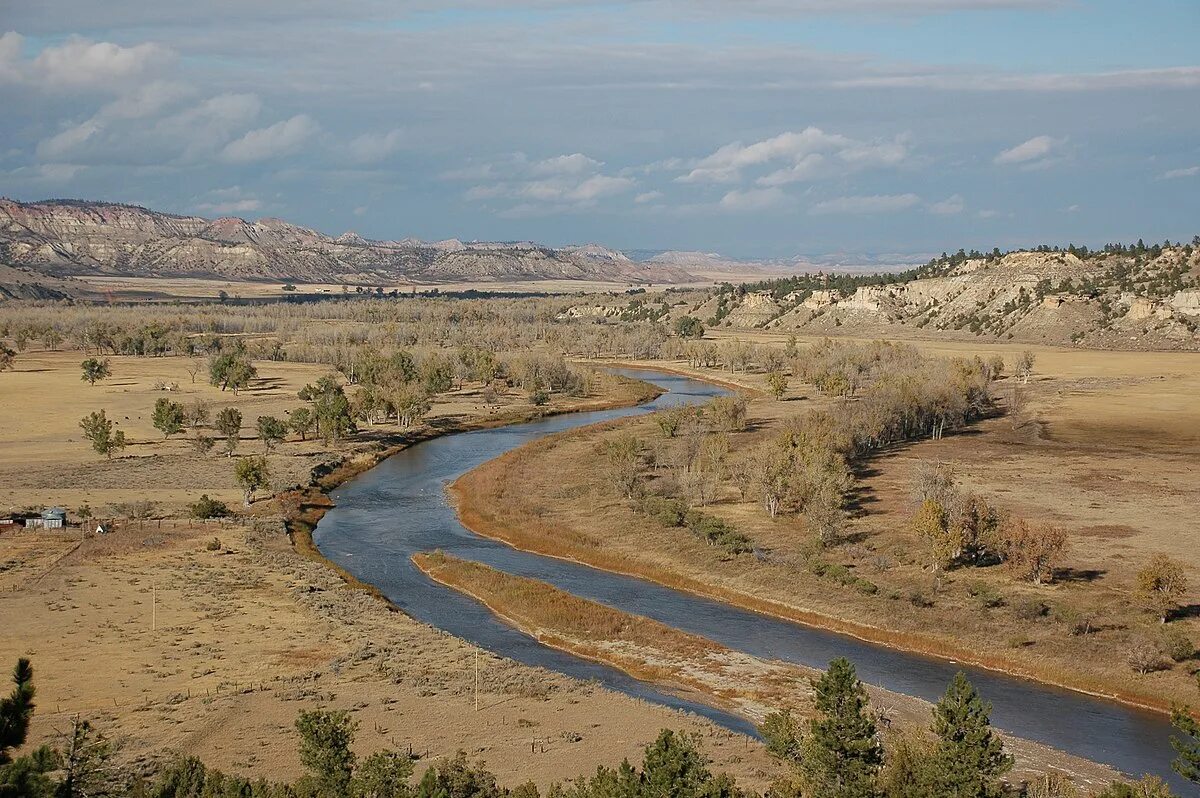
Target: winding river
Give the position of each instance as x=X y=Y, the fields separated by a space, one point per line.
x=400 y=507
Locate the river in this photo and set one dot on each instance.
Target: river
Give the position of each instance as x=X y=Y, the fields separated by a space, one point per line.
x=400 y=507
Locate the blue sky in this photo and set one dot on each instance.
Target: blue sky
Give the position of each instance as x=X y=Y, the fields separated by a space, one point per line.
x=755 y=128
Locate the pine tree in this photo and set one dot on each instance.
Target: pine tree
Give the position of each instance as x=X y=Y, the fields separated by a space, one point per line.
x=968 y=759
x=841 y=754
x=674 y=766
x=1187 y=764
x=16 y=710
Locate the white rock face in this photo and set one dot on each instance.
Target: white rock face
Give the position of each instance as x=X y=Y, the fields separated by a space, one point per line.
x=1186 y=302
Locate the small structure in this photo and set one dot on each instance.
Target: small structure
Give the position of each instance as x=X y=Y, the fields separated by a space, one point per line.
x=54 y=518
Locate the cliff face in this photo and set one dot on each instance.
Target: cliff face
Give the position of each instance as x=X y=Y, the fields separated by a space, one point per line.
x=63 y=238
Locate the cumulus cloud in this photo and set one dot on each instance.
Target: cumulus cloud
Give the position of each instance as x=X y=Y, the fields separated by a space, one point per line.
x=1033 y=150
x=81 y=63
x=799 y=155
x=1189 y=171
x=374 y=147
x=561 y=182
x=875 y=203
x=950 y=206
x=755 y=199
x=282 y=138
x=648 y=196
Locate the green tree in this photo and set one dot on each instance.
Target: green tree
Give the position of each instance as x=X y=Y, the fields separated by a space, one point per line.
x=87 y=769
x=252 y=474
x=331 y=408
x=689 y=327
x=841 y=755
x=456 y=778
x=968 y=758
x=102 y=434
x=208 y=508
x=1187 y=745
x=1161 y=585
x=229 y=423
x=325 y=739
x=94 y=370
x=782 y=735
x=270 y=431
x=301 y=422
x=168 y=417
x=384 y=774
x=231 y=370
x=16 y=710
x=674 y=766
x=777 y=384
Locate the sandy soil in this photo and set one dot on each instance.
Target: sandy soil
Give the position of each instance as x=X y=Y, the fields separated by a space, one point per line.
x=171 y=647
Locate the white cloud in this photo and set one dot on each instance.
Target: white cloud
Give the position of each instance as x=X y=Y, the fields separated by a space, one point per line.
x=803 y=155
x=11 y=44
x=233 y=206
x=648 y=196
x=1190 y=171
x=563 y=182
x=83 y=63
x=68 y=141
x=948 y=207
x=281 y=138
x=573 y=164
x=374 y=147
x=1034 y=149
x=876 y=203
x=755 y=199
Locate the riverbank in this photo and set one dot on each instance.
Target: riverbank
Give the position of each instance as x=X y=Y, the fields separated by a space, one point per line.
x=508 y=499
x=648 y=650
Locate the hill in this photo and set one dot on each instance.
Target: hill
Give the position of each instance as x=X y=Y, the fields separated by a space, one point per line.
x=1137 y=297
x=64 y=238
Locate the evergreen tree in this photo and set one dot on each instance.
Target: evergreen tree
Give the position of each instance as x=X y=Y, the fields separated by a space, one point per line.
x=841 y=755
x=1187 y=746
x=969 y=758
x=673 y=766
x=325 y=739
x=16 y=710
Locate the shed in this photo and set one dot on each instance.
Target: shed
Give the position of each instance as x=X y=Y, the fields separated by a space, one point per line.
x=54 y=518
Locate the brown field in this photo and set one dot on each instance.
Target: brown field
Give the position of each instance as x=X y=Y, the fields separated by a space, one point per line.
x=1106 y=448
x=45 y=460
x=170 y=647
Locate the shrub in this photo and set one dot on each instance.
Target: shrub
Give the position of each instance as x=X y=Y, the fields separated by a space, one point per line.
x=919 y=599
x=209 y=508
x=1030 y=609
x=1145 y=656
x=213 y=545
x=866 y=587
x=1077 y=621
x=664 y=510
x=1177 y=645
x=839 y=573
x=985 y=595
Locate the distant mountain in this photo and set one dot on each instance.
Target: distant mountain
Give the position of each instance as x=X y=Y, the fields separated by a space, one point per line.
x=64 y=238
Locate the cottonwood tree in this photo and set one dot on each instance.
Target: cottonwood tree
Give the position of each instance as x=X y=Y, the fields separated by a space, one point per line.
x=229 y=424
x=252 y=474
x=203 y=444
x=1033 y=551
x=777 y=384
x=411 y=403
x=102 y=434
x=622 y=462
x=231 y=370
x=1025 y=366
x=94 y=370
x=1161 y=585
x=271 y=431
x=968 y=757
x=198 y=413
x=841 y=755
x=168 y=417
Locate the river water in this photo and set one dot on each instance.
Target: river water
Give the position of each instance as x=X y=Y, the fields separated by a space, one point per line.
x=400 y=507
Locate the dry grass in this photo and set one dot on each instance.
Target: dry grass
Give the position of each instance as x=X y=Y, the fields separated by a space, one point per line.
x=547 y=497
x=238 y=641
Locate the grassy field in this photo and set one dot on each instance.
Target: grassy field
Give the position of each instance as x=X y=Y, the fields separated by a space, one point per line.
x=169 y=645
x=1104 y=447
x=45 y=460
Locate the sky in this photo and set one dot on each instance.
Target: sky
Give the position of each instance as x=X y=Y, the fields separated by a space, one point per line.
x=751 y=128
